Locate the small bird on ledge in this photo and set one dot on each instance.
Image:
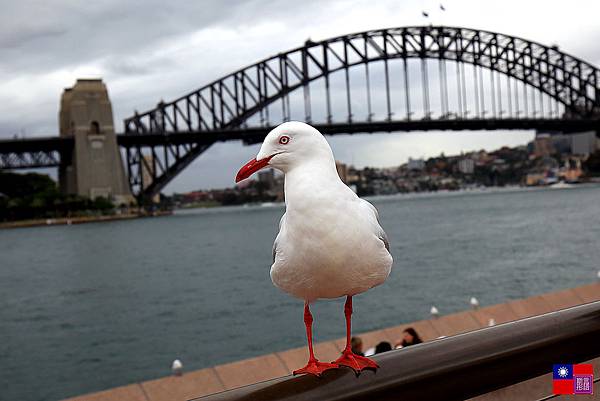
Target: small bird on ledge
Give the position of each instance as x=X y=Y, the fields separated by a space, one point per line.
x=330 y=243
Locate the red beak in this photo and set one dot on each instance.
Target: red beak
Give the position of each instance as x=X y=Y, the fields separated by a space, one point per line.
x=250 y=168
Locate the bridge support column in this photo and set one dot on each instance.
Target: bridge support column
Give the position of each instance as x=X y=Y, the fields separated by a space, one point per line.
x=97 y=168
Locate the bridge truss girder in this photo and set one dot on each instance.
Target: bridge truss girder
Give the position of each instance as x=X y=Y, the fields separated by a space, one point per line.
x=35 y=152
x=228 y=103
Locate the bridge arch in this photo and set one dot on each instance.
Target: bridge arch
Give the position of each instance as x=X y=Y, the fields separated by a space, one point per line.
x=231 y=101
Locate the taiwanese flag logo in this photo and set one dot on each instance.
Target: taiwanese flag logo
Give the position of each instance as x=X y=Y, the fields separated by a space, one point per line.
x=573 y=379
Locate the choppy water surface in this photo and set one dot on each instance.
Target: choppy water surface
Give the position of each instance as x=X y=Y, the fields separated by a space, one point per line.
x=88 y=307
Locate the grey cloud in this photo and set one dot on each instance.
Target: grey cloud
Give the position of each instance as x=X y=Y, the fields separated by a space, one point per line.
x=16 y=39
x=49 y=35
x=128 y=67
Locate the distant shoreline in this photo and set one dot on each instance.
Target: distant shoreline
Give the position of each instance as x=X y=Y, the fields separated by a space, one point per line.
x=67 y=221
x=214 y=207
x=406 y=195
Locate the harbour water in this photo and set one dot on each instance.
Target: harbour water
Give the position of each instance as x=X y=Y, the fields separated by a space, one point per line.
x=89 y=307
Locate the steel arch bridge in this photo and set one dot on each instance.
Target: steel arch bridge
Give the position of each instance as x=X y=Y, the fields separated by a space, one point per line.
x=564 y=93
x=396 y=79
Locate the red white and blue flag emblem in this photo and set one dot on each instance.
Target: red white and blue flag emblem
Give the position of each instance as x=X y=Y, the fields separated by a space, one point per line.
x=573 y=379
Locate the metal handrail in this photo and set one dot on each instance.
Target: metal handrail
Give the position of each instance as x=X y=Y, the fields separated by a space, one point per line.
x=452 y=368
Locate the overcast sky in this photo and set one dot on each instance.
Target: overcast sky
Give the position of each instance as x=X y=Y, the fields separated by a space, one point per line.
x=151 y=50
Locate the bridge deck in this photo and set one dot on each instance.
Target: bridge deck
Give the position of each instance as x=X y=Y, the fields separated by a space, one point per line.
x=240 y=373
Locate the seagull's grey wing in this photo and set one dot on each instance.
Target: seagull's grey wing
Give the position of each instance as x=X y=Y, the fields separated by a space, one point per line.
x=380 y=233
x=281 y=223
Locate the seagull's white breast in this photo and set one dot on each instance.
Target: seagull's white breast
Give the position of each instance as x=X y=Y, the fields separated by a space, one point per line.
x=329 y=245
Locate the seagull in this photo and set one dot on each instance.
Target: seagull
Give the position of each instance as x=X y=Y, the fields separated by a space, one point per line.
x=330 y=243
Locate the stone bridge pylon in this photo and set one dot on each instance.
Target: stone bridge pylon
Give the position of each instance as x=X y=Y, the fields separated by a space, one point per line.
x=96 y=167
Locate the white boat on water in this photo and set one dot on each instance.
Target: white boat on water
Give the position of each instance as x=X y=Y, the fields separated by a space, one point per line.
x=561 y=185
x=271 y=204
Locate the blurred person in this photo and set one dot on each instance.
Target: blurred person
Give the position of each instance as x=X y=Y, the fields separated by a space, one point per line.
x=409 y=337
x=356 y=344
x=383 y=346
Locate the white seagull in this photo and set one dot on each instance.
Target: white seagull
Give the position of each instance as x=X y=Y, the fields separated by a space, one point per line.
x=330 y=243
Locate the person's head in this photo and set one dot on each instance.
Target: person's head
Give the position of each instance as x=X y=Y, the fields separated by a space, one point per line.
x=356 y=344
x=383 y=346
x=410 y=336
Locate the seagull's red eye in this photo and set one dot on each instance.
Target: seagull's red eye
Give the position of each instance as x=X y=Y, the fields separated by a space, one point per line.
x=284 y=139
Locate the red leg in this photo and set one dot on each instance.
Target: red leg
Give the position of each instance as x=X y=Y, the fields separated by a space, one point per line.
x=349 y=358
x=313 y=366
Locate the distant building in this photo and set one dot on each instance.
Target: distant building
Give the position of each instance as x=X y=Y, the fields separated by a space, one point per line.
x=542 y=145
x=571 y=171
x=481 y=156
x=267 y=177
x=415 y=164
x=279 y=188
x=500 y=164
x=545 y=172
x=196 y=196
x=466 y=166
x=342 y=170
x=583 y=144
x=535 y=178
x=147 y=174
x=382 y=186
x=548 y=163
x=562 y=144
x=353 y=175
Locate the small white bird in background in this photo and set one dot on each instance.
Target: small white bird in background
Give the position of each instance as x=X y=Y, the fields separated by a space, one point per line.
x=177 y=367
x=330 y=243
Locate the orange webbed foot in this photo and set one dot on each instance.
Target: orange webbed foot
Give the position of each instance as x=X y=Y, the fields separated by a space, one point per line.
x=356 y=362
x=314 y=367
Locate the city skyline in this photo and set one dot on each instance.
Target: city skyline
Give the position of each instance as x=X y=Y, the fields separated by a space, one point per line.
x=194 y=45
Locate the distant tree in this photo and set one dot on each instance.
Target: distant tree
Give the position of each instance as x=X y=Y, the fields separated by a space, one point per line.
x=35 y=196
x=592 y=164
x=19 y=185
x=102 y=204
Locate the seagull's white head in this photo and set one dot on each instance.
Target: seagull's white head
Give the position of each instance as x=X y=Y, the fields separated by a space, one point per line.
x=287 y=146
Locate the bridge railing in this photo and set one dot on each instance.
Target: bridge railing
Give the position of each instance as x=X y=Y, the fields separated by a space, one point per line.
x=25 y=153
x=452 y=368
x=562 y=82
